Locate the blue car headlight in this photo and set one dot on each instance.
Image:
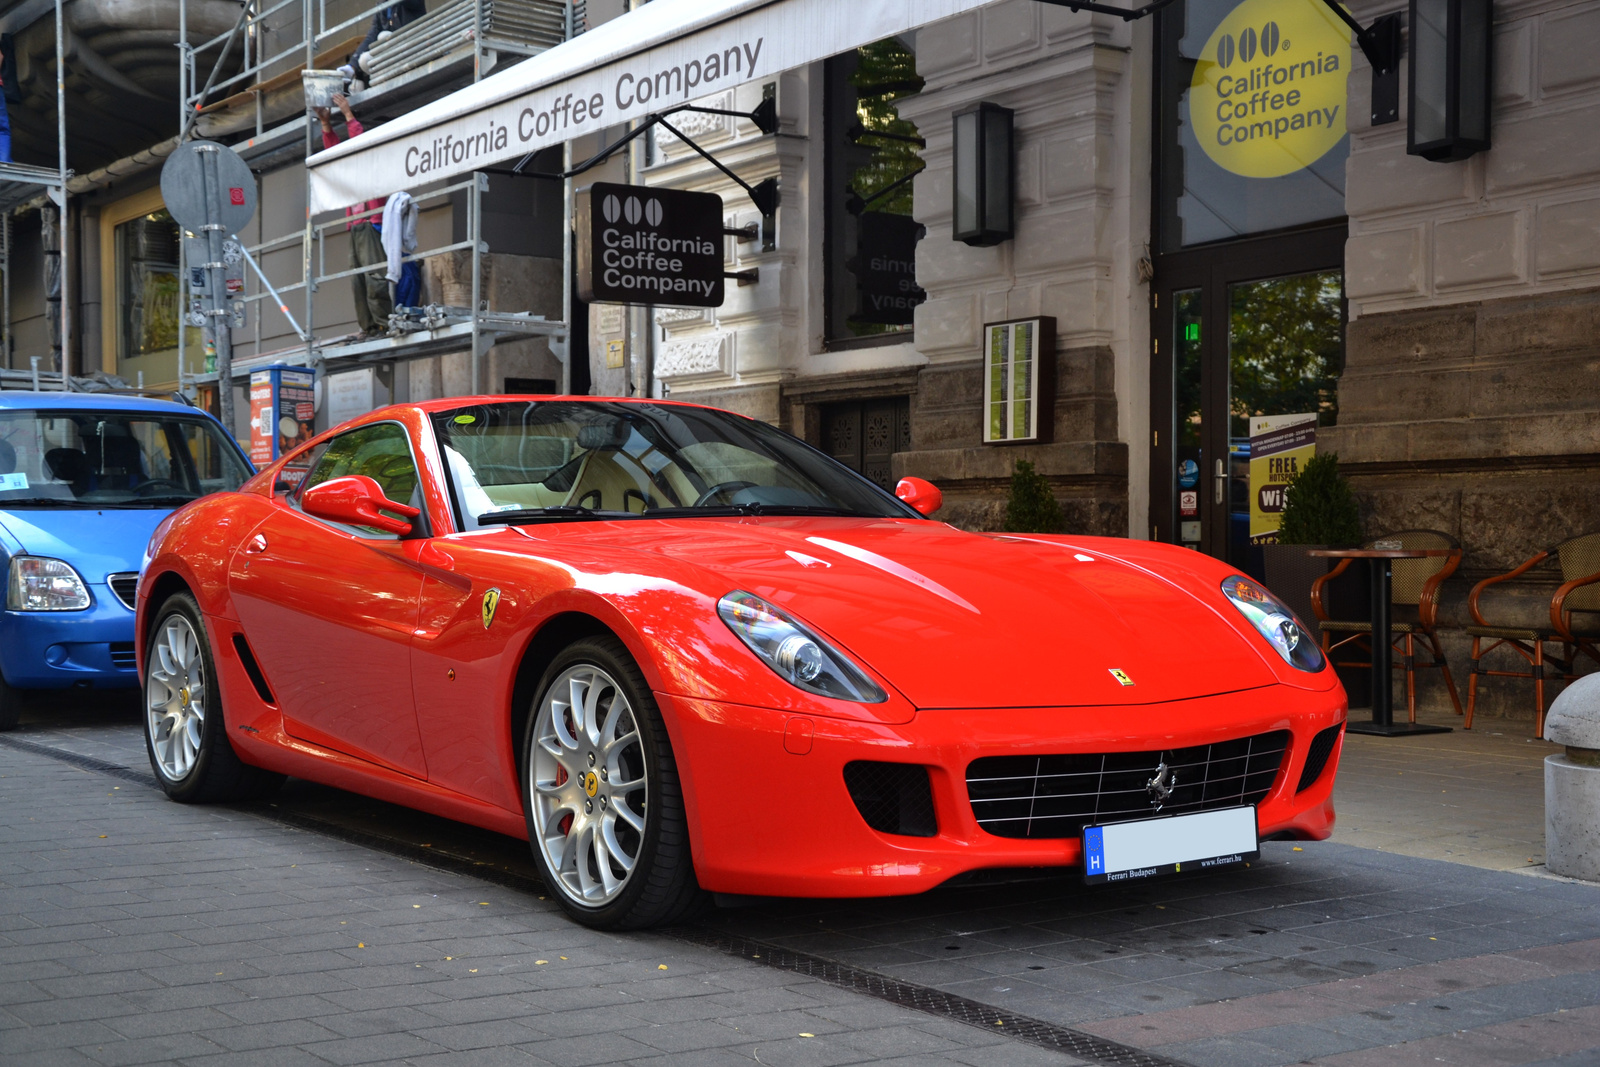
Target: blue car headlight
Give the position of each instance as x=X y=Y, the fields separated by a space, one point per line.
x=799 y=656
x=39 y=583
x=1275 y=621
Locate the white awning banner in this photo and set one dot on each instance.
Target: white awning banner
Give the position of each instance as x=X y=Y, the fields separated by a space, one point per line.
x=665 y=53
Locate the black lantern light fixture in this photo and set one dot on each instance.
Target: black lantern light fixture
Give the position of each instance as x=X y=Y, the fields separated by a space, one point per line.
x=984 y=169
x=1451 y=42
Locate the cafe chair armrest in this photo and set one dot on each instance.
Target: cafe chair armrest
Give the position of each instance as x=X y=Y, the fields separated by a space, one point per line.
x=1516 y=572
x=1316 y=588
x=1561 y=620
x=1428 y=606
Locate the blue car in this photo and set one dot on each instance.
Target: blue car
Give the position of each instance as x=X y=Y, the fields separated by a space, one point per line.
x=84 y=479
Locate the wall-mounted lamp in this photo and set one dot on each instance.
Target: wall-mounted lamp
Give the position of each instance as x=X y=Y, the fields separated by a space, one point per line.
x=1450 y=78
x=984 y=168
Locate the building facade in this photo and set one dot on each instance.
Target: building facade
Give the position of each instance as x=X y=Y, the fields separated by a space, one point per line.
x=1205 y=215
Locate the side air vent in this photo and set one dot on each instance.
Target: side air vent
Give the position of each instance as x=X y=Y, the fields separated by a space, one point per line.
x=253 y=669
x=126 y=585
x=894 y=798
x=1317 y=756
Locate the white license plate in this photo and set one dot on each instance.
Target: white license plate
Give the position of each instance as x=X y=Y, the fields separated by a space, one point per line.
x=1145 y=848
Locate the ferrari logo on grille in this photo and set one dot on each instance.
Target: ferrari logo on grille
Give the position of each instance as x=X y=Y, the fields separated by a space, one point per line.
x=591 y=783
x=1120 y=675
x=1161 y=786
x=491 y=600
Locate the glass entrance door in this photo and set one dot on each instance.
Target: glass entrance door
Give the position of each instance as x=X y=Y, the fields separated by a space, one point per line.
x=1245 y=329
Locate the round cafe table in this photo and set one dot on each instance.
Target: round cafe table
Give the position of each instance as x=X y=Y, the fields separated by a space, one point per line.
x=1383 y=723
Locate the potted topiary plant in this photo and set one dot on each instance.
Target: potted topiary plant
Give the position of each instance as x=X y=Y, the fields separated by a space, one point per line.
x=1319 y=511
x=1031 y=507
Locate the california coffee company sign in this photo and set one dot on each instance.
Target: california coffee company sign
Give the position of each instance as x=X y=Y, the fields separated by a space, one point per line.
x=639 y=245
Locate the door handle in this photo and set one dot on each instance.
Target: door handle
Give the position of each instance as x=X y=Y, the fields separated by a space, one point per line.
x=1221 y=482
x=256 y=545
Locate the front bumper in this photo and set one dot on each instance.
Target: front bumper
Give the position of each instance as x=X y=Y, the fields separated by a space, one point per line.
x=766 y=821
x=61 y=649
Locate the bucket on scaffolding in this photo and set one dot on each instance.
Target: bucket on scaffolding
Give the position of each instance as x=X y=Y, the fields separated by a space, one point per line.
x=321 y=86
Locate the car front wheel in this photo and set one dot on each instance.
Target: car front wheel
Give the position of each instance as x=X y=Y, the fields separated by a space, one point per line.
x=601 y=794
x=185 y=734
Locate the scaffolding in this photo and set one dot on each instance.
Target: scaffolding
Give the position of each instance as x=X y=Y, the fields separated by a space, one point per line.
x=458 y=42
x=21 y=184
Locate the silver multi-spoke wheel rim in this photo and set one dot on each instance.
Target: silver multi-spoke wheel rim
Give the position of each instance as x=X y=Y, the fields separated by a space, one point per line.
x=175 y=697
x=587 y=780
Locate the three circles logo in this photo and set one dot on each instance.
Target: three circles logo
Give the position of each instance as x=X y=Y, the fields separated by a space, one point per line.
x=1249 y=41
x=632 y=209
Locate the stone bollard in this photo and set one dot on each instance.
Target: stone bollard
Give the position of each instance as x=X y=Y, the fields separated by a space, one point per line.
x=1572 y=782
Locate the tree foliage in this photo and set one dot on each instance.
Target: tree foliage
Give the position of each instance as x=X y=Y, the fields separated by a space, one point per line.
x=1318 y=508
x=1031 y=507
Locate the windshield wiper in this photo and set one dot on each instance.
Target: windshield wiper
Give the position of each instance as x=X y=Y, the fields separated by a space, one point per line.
x=46 y=502
x=555 y=512
x=154 y=501
x=725 y=510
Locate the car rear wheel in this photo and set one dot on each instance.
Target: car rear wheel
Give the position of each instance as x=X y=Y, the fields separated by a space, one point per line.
x=605 y=811
x=185 y=732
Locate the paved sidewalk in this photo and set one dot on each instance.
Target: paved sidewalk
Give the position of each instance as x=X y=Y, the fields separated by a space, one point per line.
x=135 y=930
x=1327 y=953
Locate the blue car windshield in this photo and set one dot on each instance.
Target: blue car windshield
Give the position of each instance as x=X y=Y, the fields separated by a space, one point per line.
x=112 y=459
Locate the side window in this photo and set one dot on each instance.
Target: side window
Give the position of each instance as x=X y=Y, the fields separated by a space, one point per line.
x=380 y=451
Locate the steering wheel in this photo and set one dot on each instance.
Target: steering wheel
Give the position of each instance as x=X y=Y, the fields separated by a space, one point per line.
x=732 y=486
x=159 y=484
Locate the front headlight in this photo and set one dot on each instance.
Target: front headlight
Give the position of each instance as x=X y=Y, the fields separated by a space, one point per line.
x=799 y=656
x=1274 y=620
x=38 y=583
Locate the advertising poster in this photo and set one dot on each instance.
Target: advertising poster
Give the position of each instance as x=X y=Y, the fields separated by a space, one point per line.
x=260 y=418
x=296 y=409
x=1279 y=446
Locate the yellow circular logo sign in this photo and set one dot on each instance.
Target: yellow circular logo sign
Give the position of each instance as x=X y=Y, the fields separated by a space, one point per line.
x=591 y=783
x=1268 y=96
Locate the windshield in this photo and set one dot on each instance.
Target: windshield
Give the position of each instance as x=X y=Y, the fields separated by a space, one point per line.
x=112 y=459
x=531 y=461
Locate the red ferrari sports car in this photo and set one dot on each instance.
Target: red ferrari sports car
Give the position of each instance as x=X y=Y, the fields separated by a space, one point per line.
x=681 y=651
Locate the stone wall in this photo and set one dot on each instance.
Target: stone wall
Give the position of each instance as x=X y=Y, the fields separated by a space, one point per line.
x=1470 y=400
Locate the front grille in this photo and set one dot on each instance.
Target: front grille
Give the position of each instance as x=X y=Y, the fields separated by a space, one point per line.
x=894 y=798
x=1058 y=795
x=1317 y=754
x=125 y=585
x=122 y=657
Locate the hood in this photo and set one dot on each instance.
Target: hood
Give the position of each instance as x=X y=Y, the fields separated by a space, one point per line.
x=96 y=543
x=960 y=620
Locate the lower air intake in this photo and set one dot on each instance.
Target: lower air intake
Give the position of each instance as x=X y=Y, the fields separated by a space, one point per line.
x=894 y=798
x=1317 y=756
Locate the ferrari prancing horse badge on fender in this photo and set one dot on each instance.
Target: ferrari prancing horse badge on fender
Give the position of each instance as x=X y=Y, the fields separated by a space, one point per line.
x=491 y=600
x=1116 y=672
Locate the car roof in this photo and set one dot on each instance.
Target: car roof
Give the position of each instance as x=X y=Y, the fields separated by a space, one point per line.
x=62 y=400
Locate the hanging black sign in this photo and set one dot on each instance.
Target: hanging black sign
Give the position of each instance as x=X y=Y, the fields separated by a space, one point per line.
x=885 y=266
x=641 y=245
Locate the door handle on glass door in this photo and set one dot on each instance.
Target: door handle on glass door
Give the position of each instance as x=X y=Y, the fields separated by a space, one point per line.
x=1221 y=482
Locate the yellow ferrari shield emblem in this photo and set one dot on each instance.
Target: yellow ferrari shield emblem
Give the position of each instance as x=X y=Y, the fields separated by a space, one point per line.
x=491 y=600
x=1116 y=672
x=591 y=783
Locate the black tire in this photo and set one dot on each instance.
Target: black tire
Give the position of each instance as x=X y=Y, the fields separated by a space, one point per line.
x=10 y=705
x=661 y=888
x=216 y=773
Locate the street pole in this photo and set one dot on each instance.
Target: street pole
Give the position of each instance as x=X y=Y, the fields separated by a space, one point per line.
x=61 y=161
x=217 y=285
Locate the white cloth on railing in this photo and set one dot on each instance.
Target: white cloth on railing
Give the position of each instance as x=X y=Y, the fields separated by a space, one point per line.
x=399 y=230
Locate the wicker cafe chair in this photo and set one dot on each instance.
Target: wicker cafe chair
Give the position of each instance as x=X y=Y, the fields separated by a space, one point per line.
x=1579 y=561
x=1416 y=583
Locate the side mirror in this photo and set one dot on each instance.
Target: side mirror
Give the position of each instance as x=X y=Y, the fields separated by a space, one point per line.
x=920 y=494
x=357 y=501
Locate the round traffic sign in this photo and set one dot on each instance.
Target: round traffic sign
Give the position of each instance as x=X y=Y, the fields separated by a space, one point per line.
x=198 y=195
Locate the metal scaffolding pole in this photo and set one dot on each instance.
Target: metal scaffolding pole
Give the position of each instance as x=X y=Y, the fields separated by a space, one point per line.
x=61 y=193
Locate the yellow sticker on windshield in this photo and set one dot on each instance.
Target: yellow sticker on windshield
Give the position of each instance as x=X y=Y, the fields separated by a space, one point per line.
x=464 y=420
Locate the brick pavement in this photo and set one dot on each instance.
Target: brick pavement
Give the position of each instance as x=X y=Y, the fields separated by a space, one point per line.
x=1335 y=955
x=135 y=930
